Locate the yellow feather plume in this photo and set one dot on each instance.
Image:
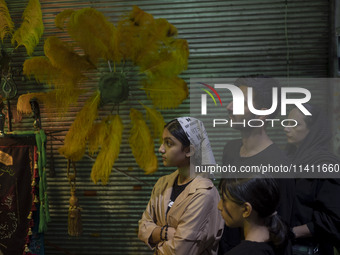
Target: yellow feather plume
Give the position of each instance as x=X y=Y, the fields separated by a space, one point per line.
x=62 y=56
x=66 y=91
x=6 y=23
x=94 y=34
x=170 y=62
x=156 y=121
x=134 y=35
x=61 y=18
x=166 y=93
x=23 y=104
x=75 y=139
x=31 y=29
x=42 y=70
x=139 y=17
x=96 y=137
x=109 y=152
x=141 y=143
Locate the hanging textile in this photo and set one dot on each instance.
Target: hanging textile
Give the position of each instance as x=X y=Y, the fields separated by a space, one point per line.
x=21 y=182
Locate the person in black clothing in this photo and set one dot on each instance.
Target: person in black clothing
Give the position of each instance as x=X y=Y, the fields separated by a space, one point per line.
x=256 y=148
x=251 y=203
x=317 y=216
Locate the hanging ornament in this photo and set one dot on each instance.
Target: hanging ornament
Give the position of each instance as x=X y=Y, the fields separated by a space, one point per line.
x=74 y=211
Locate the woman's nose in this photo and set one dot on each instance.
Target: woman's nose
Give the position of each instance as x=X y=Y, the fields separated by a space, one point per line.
x=161 y=149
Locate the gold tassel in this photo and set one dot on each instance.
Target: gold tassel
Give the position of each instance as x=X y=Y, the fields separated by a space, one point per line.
x=141 y=143
x=166 y=93
x=75 y=139
x=109 y=152
x=74 y=217
x=156 y=121
x=36 y=200
x=26 y=248
x=6 y=23
x=31 y=29
x=29 y=232
x=29 y=216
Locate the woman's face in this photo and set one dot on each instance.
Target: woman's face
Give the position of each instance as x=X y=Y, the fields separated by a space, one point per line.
x=295 y=135
x=231 y=212
x=172 y=152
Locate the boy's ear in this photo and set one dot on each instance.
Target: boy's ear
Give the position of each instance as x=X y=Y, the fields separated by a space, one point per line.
x=189 y=151
x=247 y=209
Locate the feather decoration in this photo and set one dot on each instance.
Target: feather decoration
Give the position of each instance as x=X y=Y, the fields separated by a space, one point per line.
x=31 y=29
x=54 y=100
x=94 y=34
x=166 y=93
x=96 y=137
x=139 y=17
x=141 y=143
x=109 y=152
x=23 y=104
x=61 y=18
x=62 y=56
x=42 y=70
x=156 y=121
x=6 y=23
x=134 y=36
x=169 y=62
x=75 y=139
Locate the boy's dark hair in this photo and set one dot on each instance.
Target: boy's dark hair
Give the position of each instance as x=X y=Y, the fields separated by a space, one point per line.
x=263 y=89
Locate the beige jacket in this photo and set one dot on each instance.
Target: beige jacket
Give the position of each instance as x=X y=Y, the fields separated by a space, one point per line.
x=194 y=215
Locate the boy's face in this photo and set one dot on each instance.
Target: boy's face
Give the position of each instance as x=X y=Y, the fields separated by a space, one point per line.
x=247 y=114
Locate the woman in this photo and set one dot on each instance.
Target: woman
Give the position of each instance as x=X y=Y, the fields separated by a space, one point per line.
x=317 y=214
x=251 y=204
x=181 y=216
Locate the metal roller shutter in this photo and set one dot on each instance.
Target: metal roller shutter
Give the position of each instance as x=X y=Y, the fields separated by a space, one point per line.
x=226 y=39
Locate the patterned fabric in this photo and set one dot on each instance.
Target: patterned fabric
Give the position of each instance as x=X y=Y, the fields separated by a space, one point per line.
x=17 y=193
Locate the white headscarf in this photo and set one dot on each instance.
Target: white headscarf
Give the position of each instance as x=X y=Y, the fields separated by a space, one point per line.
x=198 y=137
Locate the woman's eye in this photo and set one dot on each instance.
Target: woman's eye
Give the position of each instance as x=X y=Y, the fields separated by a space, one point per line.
x=169 y=144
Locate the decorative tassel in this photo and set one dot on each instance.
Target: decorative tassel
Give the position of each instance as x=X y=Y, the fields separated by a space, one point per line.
x=36 y=200
x=141 y=143
x=29 y=232
x=6 y=23
x=31 y=29
x=29 y=216
x=74 y=217
x=26 y=248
